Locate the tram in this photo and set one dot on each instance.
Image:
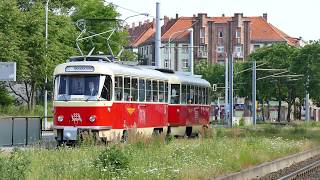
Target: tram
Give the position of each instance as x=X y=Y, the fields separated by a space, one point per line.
x=107 y=98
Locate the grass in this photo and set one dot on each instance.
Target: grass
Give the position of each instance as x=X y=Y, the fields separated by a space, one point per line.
x=13 y=110
x=215 y=152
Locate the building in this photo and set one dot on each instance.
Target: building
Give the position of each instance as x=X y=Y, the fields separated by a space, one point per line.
x=213 y=39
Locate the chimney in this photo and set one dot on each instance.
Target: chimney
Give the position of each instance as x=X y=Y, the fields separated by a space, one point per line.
x=165 y=20
x=133 y=26
x=265 y=16
x=177 y=16
x=223 y=15
x=140 y=23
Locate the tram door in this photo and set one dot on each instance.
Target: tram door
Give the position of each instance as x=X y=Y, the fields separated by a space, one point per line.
x=142 y=111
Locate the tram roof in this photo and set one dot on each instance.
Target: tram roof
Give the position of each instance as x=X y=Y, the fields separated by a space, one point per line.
x=181 y=78
x=134 y=71
x=112 y=69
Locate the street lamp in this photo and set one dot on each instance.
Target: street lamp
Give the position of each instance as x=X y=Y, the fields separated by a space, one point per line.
x=169 y=42
x=140 y=14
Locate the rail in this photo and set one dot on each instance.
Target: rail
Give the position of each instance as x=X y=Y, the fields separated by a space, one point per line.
x=303 y=172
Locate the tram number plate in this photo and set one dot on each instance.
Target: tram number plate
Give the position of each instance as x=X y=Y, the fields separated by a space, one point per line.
x=70 y=133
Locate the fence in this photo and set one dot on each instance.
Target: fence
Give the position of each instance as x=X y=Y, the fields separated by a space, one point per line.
x=20 y=130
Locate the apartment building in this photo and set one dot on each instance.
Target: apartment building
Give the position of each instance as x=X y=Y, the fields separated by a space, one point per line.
x=213 y=39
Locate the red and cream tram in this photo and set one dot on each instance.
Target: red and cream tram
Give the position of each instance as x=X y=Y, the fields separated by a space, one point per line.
x=109 y=98
x=189 y=108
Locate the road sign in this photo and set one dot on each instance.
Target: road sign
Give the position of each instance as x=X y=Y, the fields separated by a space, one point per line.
x=8 y=71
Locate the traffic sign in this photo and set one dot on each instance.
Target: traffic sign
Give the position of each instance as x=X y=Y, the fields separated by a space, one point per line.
x=8 y=71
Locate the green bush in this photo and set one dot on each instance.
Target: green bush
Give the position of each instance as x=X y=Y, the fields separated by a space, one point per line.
x=299 y=130
x=241 y=122
x=112 y=159
x=272 y=129
x=14 y=166
x=5 y=98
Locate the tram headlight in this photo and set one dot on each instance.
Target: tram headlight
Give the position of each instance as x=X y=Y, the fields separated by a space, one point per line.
x=60 y=118
x=92 y=118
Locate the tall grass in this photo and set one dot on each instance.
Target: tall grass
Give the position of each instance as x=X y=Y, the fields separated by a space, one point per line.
x=22 y=110
x=215 y=152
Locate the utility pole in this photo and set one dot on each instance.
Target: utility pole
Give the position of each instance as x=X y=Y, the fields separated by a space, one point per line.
x=158 y=37
x=46 y=80
x=254 y=91
x=191 y=50
x=307 y=111
x=230 y=89
x=226 y=100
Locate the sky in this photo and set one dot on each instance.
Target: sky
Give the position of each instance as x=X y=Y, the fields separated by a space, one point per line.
x=297 y=18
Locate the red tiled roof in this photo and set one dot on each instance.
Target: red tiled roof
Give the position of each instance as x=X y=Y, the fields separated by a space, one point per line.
x=141 y=33
x=261 y=30
x=220 y=19
x=177 y=29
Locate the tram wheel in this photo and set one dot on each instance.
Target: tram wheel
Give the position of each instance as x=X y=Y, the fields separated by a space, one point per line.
x=125 y=136
x=188 y=132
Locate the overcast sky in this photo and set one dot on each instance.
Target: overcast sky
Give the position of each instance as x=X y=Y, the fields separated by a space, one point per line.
x=294 y=17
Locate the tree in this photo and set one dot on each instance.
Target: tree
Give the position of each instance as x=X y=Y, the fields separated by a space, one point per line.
x=276 y=56
x=26 y=31
x=214 y=73
x=100 y=18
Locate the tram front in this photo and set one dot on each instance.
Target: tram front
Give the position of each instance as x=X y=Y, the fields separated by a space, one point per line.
x=82 y=95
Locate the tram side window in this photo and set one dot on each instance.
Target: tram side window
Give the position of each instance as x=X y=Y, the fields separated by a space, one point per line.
x=184 y=94
x=142 y=90
x=118 y=88
x=107 y=89
x=175 y=94
x=155 y=91
x=126 y=94
x=161 y=92
x=166 y=92
x=191 y=97
x=201 y=95
x=148 y=91
x=196 y=94
x=134 y=89
x=208 y=96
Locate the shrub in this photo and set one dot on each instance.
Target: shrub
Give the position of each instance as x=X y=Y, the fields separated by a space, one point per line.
x=272 y=129
x=299 y=130
x=112 y=159
x=241 y=122
x=15 y=166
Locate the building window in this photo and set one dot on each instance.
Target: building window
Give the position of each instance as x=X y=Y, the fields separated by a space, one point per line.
x=220 y=49
x=202 y=35
x=238 y=33
x=202 y=32
x=166 y=63
x=220 y=34
x=165 y=50
x=185 y=63
x=256 y=46
x=185 y=49
x=238 y=51
x=221 y=61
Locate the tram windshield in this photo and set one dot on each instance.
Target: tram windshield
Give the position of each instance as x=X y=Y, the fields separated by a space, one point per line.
x=78 y=87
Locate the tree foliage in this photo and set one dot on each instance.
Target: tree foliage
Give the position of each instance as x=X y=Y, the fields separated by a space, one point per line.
x=22 y=37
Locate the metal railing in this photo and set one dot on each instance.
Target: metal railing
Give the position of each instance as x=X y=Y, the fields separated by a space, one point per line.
x=20 y=130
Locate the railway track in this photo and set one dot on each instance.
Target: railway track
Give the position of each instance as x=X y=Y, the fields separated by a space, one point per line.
x=307 y=172
x=303 y=165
